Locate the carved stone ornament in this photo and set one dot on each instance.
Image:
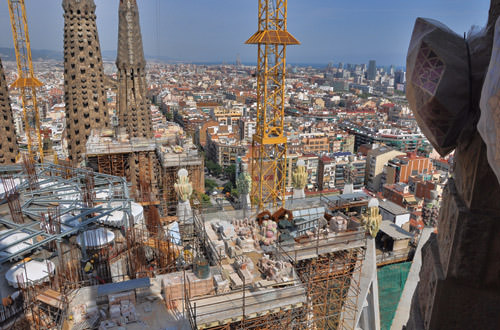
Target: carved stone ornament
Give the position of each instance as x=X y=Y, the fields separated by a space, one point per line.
x=438 y=96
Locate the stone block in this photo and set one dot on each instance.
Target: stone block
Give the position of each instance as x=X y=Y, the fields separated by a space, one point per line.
x=415 y=321
x=430 y=274
x=459 y=306
x=114 y=312
x=475 y=181
x=448 y=219
x=116 y=298
x=468 y=243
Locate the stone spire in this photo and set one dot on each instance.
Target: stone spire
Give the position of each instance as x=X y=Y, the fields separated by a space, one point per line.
x=133 y=108
x=84 y=91
x=8 y=141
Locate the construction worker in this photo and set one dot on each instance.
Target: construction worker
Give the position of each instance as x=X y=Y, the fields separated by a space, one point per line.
x=89 y=266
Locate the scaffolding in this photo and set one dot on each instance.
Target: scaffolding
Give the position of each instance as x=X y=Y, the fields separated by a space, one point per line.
x=322 y=295
x=150 y=160
x=72 y=190
x=112 y=164
x=12 y=196
x=141 y=248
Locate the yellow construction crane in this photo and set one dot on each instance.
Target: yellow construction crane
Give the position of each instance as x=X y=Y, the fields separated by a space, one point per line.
x=26 y=81
x=269 y=143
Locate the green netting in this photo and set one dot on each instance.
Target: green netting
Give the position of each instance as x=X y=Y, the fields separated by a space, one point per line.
x=391 y=280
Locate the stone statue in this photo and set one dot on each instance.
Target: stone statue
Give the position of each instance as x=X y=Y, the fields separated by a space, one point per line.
x=183 y=187
x=349 y=175
x=372 y=218
x=448 y=75
x=244 y=183
x=299 y=176
x=350 y=171
x=299 y=180
x=244 y=186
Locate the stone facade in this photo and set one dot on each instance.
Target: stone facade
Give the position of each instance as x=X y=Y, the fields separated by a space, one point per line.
x=84 y=91
x=133 y=107
x=459 y=284
x=8 y=141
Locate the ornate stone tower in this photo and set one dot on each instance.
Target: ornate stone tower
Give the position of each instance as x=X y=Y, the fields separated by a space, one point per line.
x=133 y=109
x=459 y=285
x=8 y=142
x=84 y=92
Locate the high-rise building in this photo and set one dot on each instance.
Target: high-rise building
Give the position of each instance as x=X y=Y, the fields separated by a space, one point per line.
x=400 y=77
x=133 y=108
x=375 y=161
x=84 y=91
x=371 y=74
x=8 y=141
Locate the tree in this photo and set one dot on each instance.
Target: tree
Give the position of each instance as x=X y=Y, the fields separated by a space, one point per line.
x=213 y=167
x=230 y=173
x=228 y=187
x=210 y=185
x=235 y=192
x=205 y=199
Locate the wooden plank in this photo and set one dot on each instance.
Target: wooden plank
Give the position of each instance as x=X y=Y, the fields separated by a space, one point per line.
x=149 y=203
x=51 y=298
x=226 y=308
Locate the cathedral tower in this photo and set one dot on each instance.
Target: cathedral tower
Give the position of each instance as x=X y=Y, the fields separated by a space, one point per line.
x=133 y=108
x=84 y=91
x=8 y=141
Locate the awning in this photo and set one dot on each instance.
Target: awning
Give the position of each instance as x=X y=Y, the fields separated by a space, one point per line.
x=410 y=200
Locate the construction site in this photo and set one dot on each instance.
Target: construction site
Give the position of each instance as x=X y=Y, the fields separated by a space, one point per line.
x=155 y=161
x=78 y=253
x=115 y=238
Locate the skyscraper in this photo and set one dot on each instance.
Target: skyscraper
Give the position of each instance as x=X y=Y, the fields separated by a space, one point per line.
x=133 y=108
x=8 y=141
x=372 y=70
x=400 y=77
x=84 y=92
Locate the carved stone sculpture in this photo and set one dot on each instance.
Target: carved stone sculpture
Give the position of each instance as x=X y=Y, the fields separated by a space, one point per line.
x=244 y=186
x=184 y=189
x=349 y=176
x=244 y=183
x=299 y=180
x=372 y=218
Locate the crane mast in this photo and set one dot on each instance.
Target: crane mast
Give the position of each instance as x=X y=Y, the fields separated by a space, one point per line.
x=269 y=143
x=26 y=81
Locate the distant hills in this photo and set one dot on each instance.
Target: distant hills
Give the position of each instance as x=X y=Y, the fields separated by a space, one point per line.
x=8 y=54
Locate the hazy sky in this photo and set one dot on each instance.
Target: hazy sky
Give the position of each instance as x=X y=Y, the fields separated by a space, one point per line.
x=215 y=30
